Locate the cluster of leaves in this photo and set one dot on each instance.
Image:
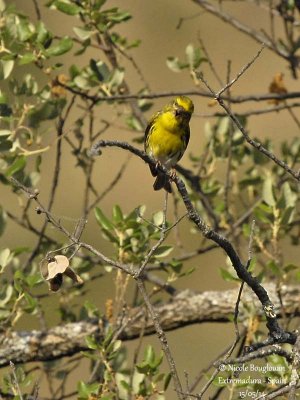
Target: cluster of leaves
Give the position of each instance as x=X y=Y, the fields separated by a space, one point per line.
x=41 y=100
x=17 y=288
x=193 y=60
x=133 y=236
x=114 y=377
x=27 y=105
x=255 y=183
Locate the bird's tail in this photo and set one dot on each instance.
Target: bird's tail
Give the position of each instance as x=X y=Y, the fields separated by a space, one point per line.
x=162 y=182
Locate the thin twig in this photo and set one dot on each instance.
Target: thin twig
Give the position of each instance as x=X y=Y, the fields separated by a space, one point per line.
x=163 y=340
x=16 y=382
x=163 y=231
x=240 y=73
x=252 y=142
x=257 y=36
x=37 y=10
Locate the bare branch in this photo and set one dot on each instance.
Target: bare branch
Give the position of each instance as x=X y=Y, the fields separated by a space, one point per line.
x=257 y=36
x=252 y=142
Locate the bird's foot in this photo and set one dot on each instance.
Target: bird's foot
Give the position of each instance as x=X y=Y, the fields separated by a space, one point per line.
x=173 y=174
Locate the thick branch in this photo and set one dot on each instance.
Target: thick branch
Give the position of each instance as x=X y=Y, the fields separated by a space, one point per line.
x=186 y=308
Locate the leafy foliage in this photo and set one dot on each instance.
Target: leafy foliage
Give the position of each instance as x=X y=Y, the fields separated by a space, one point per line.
x=230 y=184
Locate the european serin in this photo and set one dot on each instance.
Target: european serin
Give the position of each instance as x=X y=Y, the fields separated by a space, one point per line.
x=167 y=136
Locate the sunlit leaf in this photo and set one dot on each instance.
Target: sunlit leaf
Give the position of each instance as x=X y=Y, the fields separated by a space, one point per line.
x=67 y=8
x=175 y=65
x=268 y=193
x=6 y=68
x=27 y=58
x=163 y=251
x=193 y=56
x=82 y=33
x=16 y=166
x=5 y=257
x=117 y=214
x=62 y=47
x=102 y=220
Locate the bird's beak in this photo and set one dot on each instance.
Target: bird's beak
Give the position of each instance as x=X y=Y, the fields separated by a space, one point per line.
x=178 y=111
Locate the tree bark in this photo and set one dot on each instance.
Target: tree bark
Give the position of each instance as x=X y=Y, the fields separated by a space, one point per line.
x=185 y=308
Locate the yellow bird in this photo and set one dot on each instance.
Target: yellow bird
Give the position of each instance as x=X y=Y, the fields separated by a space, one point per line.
x=167 y=136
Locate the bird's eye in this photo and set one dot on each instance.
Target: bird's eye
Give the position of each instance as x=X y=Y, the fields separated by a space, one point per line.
x=176 y=104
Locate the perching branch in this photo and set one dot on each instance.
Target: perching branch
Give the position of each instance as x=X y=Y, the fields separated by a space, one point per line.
x=185 y=308
x=277 y=334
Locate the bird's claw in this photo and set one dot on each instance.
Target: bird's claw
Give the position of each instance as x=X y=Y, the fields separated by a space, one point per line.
x=173 y=174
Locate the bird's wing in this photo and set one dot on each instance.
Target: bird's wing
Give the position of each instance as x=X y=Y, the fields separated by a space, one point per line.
x=149 y=128
x=186 y=137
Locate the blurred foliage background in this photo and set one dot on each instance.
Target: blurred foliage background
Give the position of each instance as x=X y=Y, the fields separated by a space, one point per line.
x=74 y=72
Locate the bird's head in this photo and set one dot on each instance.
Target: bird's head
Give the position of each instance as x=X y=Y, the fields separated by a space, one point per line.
x=183 y=107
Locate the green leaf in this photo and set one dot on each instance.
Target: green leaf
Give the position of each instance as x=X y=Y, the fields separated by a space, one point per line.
x=167 y=381
x=96 y=70
x=193 y=56
x=157 y=361
x=98 y=4
x=263 y=213
x=223 y=126
x=48 y=110
x=3 y=218
x=175 y=65
x=67 y=8
x=287 y=216
x=5 y=257
x=82 y=33
x=24 y=28
x=43 y=35
x=81 y=82
x=32 y=303
x=227 y=276
x=289 y=196
x=18 y=164
x=290 y=267
x=158 y=218
x=267 y=192
x=6 y=295
x=27 y=58
x=274 y=267
x=117 y=214
x=116 y=78
x=135 y=124
x=6 y=68
x=163 y=251
x=91 y=342
x=149 y=354
x=85 y=390
x=18 y=281
x=120 y=16
x=62 y=47
x=102 y=220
